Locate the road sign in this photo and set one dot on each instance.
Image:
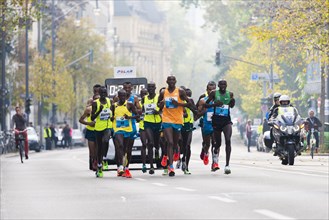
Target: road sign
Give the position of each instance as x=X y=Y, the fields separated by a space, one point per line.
x=254 y=77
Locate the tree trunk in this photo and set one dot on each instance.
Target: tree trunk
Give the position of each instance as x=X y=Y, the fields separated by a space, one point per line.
x=323 y=98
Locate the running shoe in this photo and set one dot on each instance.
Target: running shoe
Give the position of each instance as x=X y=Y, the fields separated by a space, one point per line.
x=151 y=171
x=165 y=172
x=127 y=174
x=144 y=168
x=105 y=165
x=206 y=159
x=187 y=172
x=214 y=167
x=227 y=170
x=164 y=160
x=178 y=164
x=171 y=170
x=99 y=173
x=176 y=156
x=201 y=154
x=120 y=172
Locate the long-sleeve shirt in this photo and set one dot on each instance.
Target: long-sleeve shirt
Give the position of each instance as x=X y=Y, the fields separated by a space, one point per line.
x=313 y=122
x=19 y=121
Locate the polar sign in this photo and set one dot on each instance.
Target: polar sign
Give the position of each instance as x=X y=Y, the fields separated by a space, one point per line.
x=113 y=85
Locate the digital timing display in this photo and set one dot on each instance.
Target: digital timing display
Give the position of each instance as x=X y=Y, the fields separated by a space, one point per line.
x=113 y=85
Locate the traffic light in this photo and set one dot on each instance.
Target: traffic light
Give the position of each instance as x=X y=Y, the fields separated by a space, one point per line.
x=28 y=105
x=217 y=59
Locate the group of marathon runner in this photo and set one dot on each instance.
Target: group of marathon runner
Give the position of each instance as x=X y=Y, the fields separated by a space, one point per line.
x=165 y=121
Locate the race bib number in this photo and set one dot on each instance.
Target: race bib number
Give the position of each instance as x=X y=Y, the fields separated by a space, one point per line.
x=150 y=108
x=169 y=103
x=105 y=114
x=222 y=111
x=121 y=122
x=209 y=116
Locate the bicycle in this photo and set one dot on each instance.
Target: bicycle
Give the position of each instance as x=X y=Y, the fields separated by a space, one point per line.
x=312 y=142
x=21 y=139
x=2 y=143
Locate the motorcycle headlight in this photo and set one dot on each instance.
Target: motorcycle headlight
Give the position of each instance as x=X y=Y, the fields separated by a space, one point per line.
x=302 y=126
x=296 y=128
x=283 y=128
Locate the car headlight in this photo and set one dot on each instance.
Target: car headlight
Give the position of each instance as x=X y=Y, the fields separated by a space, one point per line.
x=283 y=128
x=296 y=128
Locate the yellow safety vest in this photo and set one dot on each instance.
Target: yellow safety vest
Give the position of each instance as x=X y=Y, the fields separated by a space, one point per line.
x=45 y=135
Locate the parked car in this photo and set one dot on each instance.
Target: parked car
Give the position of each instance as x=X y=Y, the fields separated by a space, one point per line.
x=77 y=138
x=33 y=139
x=254 y=136
x=260 y=145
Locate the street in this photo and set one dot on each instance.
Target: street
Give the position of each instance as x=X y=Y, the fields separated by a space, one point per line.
x=58 y=185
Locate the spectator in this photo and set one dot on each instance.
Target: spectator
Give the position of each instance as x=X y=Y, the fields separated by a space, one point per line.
x=47 y=136
x=248 y=133
x=66 y=133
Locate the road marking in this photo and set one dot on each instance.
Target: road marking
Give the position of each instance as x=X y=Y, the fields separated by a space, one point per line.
x=271 y=214
x=185 y=189
x=140 y=179
x=159 y=184
x=283 y=171
x=123 y=199
x=222 y=199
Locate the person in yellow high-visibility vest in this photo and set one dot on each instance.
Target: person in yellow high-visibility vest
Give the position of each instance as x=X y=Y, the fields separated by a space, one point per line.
x=47 y=136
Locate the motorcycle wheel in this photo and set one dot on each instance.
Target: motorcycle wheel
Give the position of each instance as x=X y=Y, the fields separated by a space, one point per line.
x=291 y=154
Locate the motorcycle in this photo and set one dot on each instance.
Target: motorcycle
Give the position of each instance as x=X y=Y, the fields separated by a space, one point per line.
x=286 y=130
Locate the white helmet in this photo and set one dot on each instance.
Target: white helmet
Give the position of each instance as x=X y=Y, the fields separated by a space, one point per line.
x=284 y=98
x=276 y=95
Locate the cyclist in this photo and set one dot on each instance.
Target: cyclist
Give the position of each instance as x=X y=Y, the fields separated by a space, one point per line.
x=313 y=122
x=19 y=121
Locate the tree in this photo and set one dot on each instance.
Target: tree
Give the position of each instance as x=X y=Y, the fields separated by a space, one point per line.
x=304 y=24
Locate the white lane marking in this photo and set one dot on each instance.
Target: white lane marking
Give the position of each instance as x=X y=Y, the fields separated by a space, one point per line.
x=271 y=214
x=140 y=179
x=282 y=171
x=123 y=199
x=185 y=189
x=159 y=184
x=222 y=199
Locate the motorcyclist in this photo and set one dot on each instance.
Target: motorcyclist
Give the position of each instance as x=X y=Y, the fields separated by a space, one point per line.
x=284 y=106
x=276 y=104
x=269 y=114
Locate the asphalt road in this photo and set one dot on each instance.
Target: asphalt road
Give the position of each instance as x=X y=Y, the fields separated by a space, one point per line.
x=58 y=185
